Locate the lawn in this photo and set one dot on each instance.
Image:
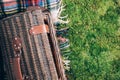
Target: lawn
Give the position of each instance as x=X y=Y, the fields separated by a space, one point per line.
x=94 y=38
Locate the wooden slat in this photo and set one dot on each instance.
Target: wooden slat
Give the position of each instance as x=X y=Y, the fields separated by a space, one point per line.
x=7 y=48
x=56 y=50
x=47 y=49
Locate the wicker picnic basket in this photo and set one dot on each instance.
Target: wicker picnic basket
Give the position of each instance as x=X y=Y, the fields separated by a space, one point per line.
x=29 y=46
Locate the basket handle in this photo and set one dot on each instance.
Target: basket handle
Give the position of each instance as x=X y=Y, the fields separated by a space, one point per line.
x=17 y=45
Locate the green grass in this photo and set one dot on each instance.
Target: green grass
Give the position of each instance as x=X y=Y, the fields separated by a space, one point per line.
x=94 y=38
